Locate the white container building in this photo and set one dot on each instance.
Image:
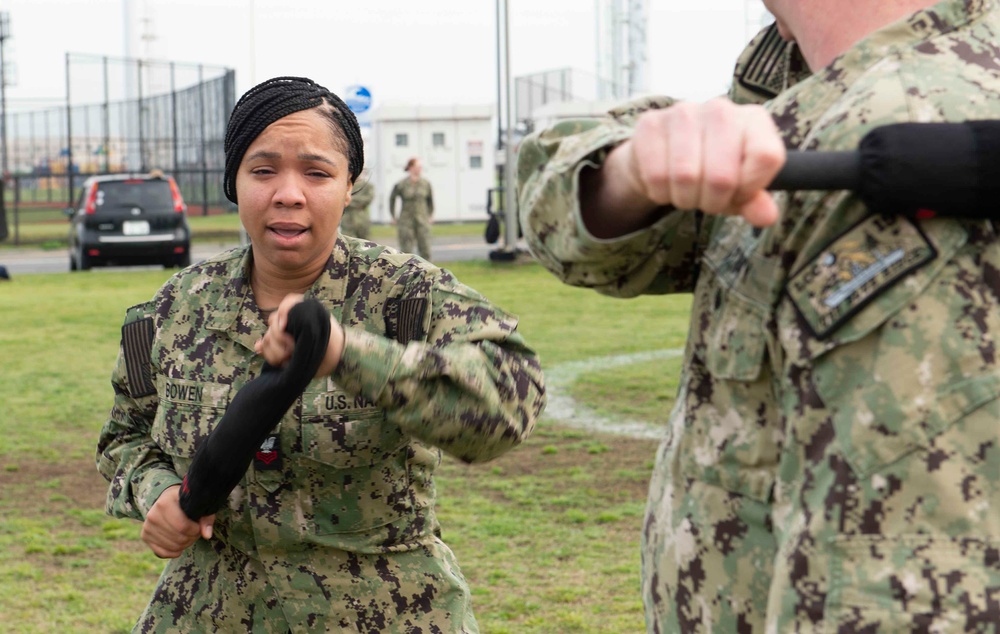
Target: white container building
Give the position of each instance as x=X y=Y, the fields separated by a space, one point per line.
x=454 y=143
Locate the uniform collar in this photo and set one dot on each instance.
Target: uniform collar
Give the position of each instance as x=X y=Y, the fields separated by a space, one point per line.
x=798 y=109
x=230 y=314
x=237 y=313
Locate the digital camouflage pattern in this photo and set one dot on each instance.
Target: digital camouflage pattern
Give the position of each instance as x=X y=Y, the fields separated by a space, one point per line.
x=832 y=463
x=357 y=220
x=333 y=527
x=413 y=221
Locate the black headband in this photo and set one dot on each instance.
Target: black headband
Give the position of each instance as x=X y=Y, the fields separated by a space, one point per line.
x=273 y=99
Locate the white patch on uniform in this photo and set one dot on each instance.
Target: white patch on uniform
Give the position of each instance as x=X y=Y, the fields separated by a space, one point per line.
x=980 y=511
x=911 y=583
x=879 y=482
x=705 y=456
x=684 y=548
x=865 y=417
x=925 y=372
x=727 y=428
x=782 y=514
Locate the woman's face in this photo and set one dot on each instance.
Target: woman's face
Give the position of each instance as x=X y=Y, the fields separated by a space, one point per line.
x=416 y=169
x=292 y=187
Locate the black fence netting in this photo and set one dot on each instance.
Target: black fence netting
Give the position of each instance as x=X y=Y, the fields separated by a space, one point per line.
x=120 y=115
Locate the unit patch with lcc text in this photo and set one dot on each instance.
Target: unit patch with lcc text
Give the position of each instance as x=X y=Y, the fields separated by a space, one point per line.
x=854 y=269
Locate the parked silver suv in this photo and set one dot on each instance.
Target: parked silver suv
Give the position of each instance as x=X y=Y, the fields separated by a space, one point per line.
x=129 y=219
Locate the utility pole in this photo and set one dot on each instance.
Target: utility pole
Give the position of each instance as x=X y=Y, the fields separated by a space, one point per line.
x=637 y=19
x=621 y=46
x=505 y=117
x=4 y=34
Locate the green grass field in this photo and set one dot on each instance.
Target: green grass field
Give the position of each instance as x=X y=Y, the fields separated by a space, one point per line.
x=548 y=535
x=48 y=229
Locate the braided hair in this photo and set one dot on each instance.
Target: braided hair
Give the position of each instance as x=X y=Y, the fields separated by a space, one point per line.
x=275 y=98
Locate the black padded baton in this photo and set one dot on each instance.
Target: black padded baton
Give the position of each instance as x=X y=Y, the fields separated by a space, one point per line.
x=945 y=169
x=224 y=457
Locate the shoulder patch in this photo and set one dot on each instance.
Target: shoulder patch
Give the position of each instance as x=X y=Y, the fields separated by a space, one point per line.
x=764 y=67
x=137 y=341
x=404 y=319
x=855 y=268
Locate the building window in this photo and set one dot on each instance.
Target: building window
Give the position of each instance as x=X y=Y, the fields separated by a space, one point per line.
x=437 y=139
x=476 y=162
x=402 y=140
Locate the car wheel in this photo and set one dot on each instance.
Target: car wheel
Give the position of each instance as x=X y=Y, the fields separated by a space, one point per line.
x=72 y=262
x=86 y=262
x=181 y=261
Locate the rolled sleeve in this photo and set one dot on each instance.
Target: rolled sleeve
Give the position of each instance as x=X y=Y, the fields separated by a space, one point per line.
x=657 y=259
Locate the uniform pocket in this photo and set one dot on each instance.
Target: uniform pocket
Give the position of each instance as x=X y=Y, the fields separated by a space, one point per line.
x=897 y=353
x=344 y=431
x=187 y=412
x=355 y=464
x=735 y=342
x=731 y=431
x=913 y=583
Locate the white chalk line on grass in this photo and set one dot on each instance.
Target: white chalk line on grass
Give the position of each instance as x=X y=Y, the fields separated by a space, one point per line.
x=566 y=410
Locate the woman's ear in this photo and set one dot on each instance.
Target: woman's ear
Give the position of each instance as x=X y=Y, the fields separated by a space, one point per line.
x=347 y=197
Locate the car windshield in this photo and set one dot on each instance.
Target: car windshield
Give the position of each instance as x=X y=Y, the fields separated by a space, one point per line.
x=152 y=196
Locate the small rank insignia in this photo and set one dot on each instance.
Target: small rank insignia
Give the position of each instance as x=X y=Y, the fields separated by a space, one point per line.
x=268 y=458
x=850 y=272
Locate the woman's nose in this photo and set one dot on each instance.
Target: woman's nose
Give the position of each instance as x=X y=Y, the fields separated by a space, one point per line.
x=289 y=192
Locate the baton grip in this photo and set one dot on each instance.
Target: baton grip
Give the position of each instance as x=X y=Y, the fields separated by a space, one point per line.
x=805 y=170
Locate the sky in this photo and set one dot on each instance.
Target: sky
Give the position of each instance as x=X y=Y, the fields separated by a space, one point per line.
x=425 y=52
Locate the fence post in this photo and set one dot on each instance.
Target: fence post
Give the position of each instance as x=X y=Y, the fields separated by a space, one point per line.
x=4 y=34
x=31 y=146
x=17 y=210
x=107 y=120
x=173 y=116
x=142 y=143
x=69 y=137
x=204 y=152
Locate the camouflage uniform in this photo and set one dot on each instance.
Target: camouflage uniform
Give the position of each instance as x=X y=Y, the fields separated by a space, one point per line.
x=414 y=220
x=357 y=221
x=833 y=459
x=333 y=528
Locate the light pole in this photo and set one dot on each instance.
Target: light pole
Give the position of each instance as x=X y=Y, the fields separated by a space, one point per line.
x=252 y=39
x=505 y=119
x=4 y=34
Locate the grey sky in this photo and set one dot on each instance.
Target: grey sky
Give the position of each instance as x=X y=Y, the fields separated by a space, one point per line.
x=427 y=52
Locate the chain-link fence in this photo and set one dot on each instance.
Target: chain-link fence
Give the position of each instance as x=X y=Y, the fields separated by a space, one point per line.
x=555 y=86
x=121 y=115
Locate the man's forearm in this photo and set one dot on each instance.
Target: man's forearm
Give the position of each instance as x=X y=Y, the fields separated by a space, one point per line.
x=611 y=202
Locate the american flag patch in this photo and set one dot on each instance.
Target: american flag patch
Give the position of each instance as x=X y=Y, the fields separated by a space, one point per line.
x=404 y=319
x=137 y=340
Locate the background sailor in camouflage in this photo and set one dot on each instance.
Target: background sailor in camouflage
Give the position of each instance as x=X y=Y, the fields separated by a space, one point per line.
x=333 y=527
x=357 y=220
x=416 y=210
x=832 y=463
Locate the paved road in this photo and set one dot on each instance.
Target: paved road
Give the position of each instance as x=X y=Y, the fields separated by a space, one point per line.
x=26 y=261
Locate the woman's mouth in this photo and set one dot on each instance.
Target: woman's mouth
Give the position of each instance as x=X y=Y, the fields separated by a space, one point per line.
x=287 y=232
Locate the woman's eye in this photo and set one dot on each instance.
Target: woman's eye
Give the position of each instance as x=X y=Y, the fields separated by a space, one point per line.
x=262 y=171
